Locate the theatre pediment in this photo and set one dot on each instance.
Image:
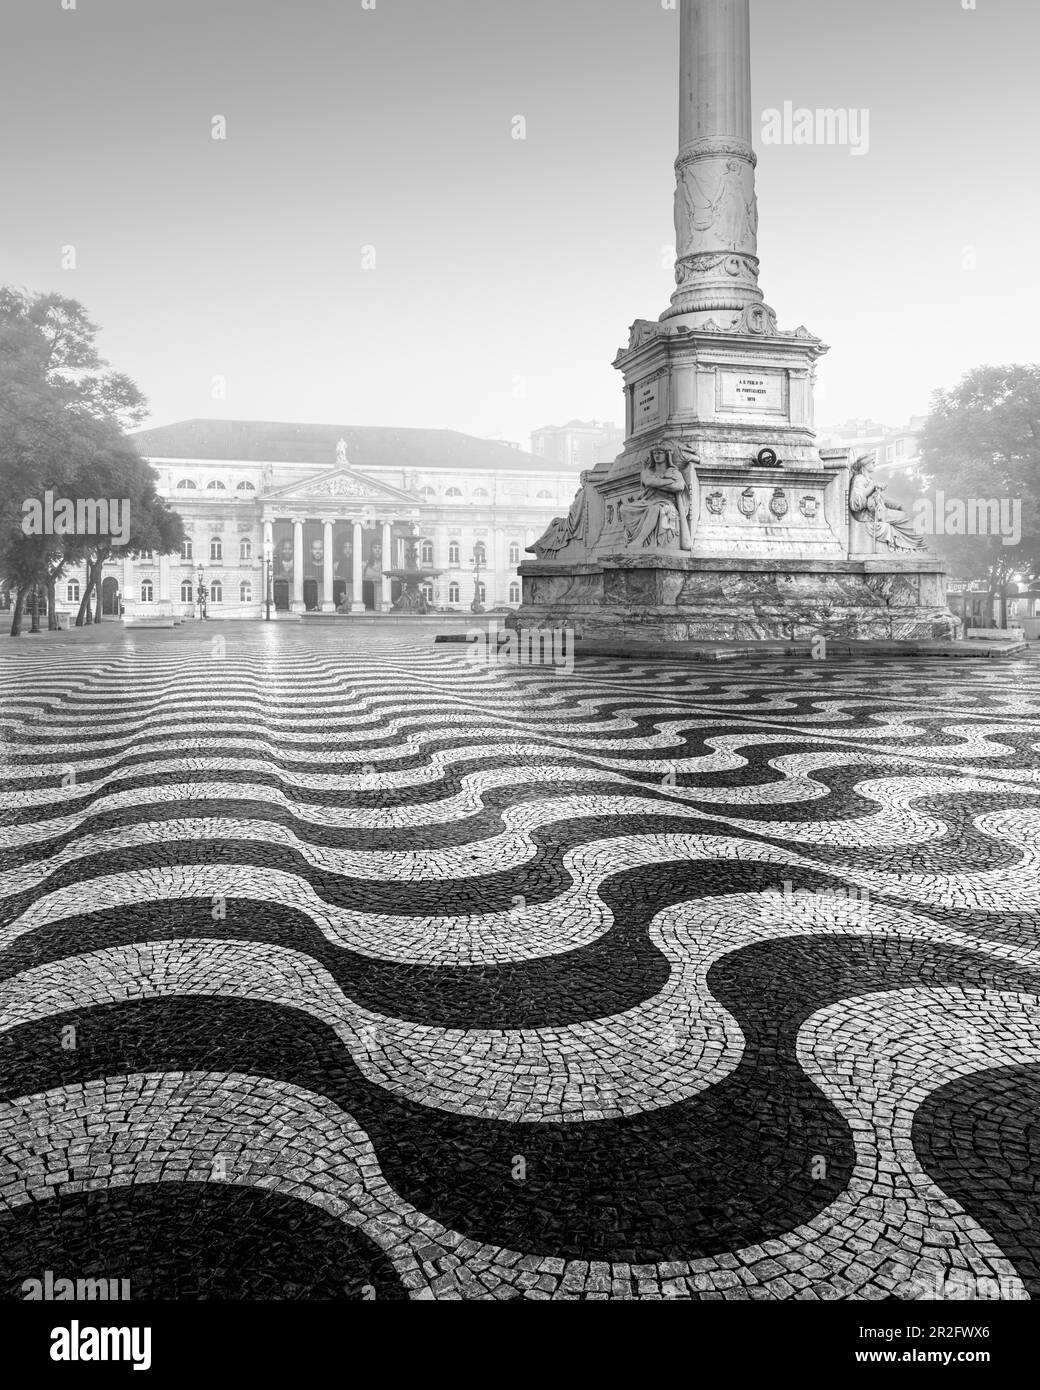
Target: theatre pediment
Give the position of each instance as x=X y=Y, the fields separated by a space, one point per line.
x=341 y=483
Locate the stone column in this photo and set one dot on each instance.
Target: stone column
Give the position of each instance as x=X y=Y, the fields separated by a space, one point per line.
x=328 y=562
x=297 y=565
x=357 y=597
x=385 y=594
x=716 y=210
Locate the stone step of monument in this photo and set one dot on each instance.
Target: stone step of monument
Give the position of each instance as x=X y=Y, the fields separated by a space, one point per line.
x=787 y=650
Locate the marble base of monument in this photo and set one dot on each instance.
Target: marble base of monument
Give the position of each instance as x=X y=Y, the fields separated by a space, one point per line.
x=676 y=599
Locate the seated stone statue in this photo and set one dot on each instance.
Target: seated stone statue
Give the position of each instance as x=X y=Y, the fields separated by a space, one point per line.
x=885 y=521
x=658 y=518
x=566 y=530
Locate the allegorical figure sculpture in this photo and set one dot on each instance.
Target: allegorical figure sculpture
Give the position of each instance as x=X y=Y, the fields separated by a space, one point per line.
x=659 y=518
x=885 y=521
x=727 y=211
x=566 y=530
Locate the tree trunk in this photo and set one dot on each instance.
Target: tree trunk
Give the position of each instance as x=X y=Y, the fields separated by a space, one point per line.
x=16 y=617
x=35 y=609
x=97 y=611
x=83 y=613
x=84 y=603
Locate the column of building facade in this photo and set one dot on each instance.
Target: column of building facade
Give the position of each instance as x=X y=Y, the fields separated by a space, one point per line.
x=502 y=551
x=357 y=595
x=297 y=565
x=328 y=604
x=385 y=592
x=266 y=556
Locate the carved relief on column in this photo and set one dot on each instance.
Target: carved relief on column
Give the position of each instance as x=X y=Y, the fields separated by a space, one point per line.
x=716 y=229
x=716 y=207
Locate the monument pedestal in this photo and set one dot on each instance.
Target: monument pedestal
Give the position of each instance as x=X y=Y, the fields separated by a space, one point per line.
x=721 y=519
x=678 y=599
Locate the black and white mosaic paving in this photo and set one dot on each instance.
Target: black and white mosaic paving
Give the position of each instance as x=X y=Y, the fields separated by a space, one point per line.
x=334 y=965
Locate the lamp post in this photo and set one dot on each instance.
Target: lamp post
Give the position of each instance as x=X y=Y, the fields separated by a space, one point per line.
x=478 y=564
x=200 y=595
x=267 y=580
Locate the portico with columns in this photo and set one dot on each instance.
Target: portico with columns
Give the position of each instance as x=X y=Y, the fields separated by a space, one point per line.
x=330 y=540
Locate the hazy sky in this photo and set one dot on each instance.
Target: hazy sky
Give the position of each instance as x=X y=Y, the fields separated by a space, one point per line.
x=507 y=271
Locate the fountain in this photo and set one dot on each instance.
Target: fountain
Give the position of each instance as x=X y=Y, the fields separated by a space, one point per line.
x=412 y=578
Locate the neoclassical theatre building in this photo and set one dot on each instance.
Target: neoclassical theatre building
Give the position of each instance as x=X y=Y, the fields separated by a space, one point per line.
x=338 y=506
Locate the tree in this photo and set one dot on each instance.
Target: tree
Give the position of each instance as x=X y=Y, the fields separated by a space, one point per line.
x=980 y=455
x=62 y=417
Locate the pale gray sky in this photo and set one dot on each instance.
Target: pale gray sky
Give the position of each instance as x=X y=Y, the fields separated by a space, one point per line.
x=507 y=271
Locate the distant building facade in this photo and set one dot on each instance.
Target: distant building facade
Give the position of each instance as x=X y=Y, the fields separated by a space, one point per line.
x=896 y=451
x=578 y=445
x=338 y=506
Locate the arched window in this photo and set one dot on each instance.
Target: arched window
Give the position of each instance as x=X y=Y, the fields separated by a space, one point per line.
x=72 y=591
x=216 y=549
x=544 y=496
x=246 y=487
x=514 y=593
x=147 y=592
x=454 y=553
x=216 y=592
x=245 y=550
x=481 y=494
x=514 y=552
x=186 y=550
x=454 y=493
x=428 y=493
x=426 y=557
x=245 y=592
x=187 y=592
x=216 y=486
x=453 y=593
x=186 y=485
x=480 y=553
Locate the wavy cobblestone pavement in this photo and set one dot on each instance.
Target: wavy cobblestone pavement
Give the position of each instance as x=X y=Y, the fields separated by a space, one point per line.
x=335 y=965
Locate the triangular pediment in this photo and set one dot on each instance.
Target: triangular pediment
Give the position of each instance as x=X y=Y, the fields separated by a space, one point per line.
x=333 y=483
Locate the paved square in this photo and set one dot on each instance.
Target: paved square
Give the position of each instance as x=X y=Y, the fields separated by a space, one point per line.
x=335 y=965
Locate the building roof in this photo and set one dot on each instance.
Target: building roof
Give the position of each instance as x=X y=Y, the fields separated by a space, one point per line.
x=368 y=446
x=600 y=425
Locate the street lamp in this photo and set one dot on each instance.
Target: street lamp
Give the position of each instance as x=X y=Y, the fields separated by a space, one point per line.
x=200 y=595
x=478 y=564
x=267 y=580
